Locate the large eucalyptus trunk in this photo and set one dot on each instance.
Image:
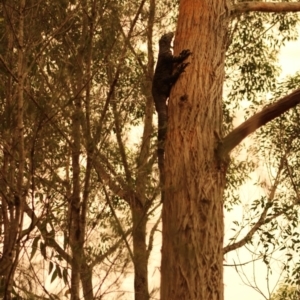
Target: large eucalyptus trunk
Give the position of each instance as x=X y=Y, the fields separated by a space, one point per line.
x=192 y=256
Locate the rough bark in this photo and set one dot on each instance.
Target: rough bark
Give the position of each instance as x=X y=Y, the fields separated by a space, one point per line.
x=192 y=255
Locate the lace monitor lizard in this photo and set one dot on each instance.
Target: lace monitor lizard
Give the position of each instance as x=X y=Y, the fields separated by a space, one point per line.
x=167 y=71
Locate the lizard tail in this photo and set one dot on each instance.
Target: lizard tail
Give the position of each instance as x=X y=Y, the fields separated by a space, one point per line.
x=162 y=131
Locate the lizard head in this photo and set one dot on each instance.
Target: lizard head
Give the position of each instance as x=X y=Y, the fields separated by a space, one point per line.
x=166 y=40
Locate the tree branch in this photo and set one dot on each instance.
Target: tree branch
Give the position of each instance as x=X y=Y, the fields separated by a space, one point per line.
x=250 y=234
x=123 y=234
x=111 y=250
x=117 y=189
x=263 y=217
x=151 y=236
x=278 y=7
x=266 y=115
x=49 y=239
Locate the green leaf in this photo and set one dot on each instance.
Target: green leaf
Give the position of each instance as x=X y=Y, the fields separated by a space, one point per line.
x=54 y=275
x=34 y=246
x=50 y=267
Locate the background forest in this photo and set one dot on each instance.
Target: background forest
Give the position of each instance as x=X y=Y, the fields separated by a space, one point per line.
x=79 y=184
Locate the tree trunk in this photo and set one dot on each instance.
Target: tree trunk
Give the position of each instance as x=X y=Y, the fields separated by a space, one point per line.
x=192 y=257
x=86 y=276
x=140 y=256
x=76 y=233
x=13 y=191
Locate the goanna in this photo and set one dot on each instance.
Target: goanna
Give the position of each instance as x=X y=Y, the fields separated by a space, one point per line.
x=167 y=71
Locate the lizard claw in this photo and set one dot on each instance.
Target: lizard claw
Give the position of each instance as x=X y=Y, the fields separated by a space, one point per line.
x=182 y=67
x=185 y=53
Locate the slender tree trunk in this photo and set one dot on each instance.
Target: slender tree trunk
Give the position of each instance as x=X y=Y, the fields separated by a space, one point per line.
x=20 y=194
x=140 y=208
x=81 y=123
x=75 y=206
x=192 y=257
x=139 y=220
x=74 y=213
x=14 y=193
x=86 y=280
x=87 y=41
